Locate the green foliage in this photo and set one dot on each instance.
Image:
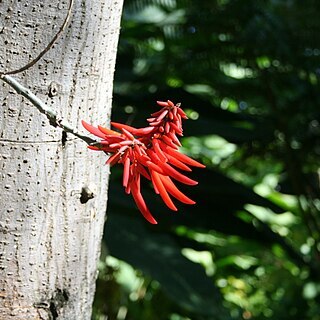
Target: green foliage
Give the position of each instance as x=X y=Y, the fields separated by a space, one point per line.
x=159 y=256
x=247 y=73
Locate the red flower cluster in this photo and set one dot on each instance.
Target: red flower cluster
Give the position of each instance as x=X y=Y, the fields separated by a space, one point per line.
x=151 y=152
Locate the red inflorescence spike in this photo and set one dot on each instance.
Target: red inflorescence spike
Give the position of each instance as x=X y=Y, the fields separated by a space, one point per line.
x=149 y=152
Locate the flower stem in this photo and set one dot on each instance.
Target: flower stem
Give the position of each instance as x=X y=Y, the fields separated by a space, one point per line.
x=43 y=108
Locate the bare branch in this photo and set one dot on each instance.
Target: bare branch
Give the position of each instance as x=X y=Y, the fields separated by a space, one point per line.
x=43 y=108
x=48 y=47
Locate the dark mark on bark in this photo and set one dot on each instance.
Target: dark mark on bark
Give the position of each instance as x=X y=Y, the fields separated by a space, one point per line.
x=86 y=195
x=54 y=89
x=64 y=138
x=58 y=301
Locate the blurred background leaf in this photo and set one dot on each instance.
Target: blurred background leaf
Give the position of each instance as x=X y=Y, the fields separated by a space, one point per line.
x=159 y=256
x=247 y=74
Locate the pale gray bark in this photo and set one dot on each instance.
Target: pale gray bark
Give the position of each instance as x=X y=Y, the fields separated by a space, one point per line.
x=50 y=234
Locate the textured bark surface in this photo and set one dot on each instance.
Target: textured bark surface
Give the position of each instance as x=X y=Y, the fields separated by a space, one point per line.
x=50 y=233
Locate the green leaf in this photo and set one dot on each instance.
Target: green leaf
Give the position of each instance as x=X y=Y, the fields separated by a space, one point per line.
x=157 y=255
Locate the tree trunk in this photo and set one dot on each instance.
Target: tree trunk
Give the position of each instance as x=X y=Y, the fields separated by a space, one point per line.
x=50 y=229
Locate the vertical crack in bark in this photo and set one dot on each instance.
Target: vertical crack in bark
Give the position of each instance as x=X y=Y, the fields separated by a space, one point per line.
x=64 y=138
x=53 y=310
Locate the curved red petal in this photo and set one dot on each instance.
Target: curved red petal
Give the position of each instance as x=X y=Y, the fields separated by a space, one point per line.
x=92 y=129
x=154 y=167
x=177 y=163
x=126 y=172
x=158 y=150
x=123 y=126
x=170 y=103
x=163 y=103
x=114 y=159
x=182 y=113
x=162 y=191
x=108 y=131
x=176 y=174
x=174 y=191
x=184 y=158
x=137 y=196
x=168 y=141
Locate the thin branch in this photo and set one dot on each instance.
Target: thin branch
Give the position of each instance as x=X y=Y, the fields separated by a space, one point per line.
x=43 y=108
x=48 y=47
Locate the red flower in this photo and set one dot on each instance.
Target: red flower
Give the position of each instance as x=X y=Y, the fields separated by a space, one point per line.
x=152 y=152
